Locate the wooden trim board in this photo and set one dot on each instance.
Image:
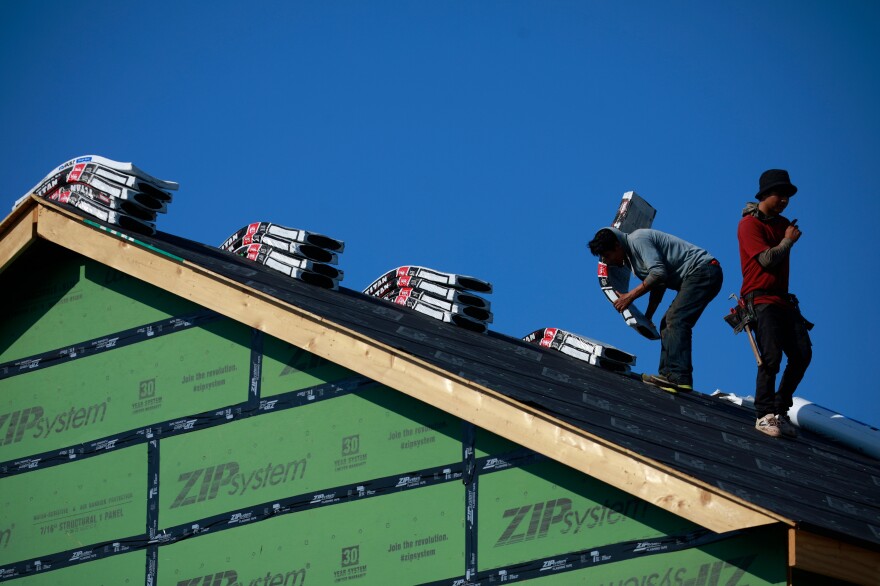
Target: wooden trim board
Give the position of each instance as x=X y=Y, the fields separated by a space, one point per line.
x=832 y=558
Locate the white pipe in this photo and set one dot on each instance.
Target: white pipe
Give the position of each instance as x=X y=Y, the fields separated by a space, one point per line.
x=853 y=434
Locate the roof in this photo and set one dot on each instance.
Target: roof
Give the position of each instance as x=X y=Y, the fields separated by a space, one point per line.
x=691 y=454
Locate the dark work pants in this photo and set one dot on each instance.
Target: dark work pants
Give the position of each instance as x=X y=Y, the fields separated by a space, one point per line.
x=780 y=330
x=676 y=327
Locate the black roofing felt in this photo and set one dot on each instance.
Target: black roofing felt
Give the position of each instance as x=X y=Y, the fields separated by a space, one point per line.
x=821 y=485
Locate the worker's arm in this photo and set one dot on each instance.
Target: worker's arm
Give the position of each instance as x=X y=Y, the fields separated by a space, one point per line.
x=654 y=301
x=775 y=255
x=653 y=284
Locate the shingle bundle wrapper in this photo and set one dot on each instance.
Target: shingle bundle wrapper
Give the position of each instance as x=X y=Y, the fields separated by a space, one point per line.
x=302 y=255
x=117 y=193
x=583 y=348
x=448 y=297
x=632 y=214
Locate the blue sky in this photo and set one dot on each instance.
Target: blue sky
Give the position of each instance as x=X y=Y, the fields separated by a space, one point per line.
x=487 y=138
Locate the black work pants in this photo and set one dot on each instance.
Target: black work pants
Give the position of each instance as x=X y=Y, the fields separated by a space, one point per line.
x=780 y=330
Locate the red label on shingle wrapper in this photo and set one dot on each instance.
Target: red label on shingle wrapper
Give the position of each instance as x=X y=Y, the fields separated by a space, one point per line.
x=602 y=269
x=248 y=237
x=76 y=172
x=549 y=335
x=253 y=251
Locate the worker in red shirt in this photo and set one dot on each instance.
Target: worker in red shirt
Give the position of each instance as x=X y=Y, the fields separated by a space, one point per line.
x=766 y=238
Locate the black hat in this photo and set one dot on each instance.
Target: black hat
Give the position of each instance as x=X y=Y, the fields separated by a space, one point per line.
x=775 y=180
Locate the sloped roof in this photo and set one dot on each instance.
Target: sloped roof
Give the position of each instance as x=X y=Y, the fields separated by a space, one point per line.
x=693 y=455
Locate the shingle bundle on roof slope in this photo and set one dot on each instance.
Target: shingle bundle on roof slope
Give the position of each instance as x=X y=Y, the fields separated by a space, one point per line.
x=300 y=254
x=117 y=193
x=632 y=214
x=448 y=297
x=590 y=351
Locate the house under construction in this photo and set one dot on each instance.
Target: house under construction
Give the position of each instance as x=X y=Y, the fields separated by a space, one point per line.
x=173 y=414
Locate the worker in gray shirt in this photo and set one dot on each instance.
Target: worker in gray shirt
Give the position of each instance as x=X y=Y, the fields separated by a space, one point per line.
x=663 y=261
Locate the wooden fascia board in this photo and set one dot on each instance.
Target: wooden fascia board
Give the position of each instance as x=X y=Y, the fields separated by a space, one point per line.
x=832 y=558
x=651 y=481
x=17 y=232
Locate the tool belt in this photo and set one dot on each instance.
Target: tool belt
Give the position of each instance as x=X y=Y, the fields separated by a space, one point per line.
x=744 y=313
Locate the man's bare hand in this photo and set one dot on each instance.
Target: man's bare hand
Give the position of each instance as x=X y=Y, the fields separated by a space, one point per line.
x=793 y=232
x=624 y=300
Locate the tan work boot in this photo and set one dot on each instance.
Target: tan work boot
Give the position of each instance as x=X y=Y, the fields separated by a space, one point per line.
x=769 y=425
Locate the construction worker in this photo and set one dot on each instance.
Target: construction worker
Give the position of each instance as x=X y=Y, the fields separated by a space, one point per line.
x=663 y=261
x=765 y=242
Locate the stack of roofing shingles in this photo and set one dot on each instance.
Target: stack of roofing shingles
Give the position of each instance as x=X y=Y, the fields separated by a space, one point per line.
x=302 y=255
x=116 y=193
x=448 y=297
x=583 y=348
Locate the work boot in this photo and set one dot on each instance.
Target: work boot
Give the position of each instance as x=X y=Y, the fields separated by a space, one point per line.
x=786 y=427
x=666 y=383
x=769 y=425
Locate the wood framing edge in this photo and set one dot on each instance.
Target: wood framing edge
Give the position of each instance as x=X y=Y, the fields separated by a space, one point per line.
x=832 y=558
x=17 y=231
x=651 y=481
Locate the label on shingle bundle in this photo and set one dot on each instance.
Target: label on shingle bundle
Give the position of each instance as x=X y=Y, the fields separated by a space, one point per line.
x=104 y=214
x=110 y=202
x=449 y=279
x=267 y=257
x=562 y=340
x=442 y=315
x=105 y=175
x=271 y=257
x=401 y=295
x=123 y=173
x=443 y=292
x=282 y=237
x=147 y=201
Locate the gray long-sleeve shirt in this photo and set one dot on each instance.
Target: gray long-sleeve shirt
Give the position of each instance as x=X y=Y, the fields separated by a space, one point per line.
x=659 y=258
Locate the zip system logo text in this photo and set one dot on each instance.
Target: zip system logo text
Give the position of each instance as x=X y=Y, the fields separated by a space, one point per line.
x=535 y=521
x=204 y=484
x=230 y=578
x=33 y=421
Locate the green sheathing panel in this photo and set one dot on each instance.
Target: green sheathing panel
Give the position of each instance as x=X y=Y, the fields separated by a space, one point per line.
x=353 y=438
x=75 y=505
x=52 y=298
x=287 y=368
x=548 y=509
x=120 y=570
x=408 y=537
x=754 y=560
x=163 y=378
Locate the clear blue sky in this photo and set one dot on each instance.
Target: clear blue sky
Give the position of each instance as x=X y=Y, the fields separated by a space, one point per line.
x=487 y=138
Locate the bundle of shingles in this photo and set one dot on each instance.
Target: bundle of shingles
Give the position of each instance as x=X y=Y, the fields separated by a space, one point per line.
x=302 y=255
x=448 y=297
x=583 y=348
x=632 y=214
x=116 y=193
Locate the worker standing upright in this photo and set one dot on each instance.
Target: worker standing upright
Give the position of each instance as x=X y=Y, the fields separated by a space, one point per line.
x=765 y=242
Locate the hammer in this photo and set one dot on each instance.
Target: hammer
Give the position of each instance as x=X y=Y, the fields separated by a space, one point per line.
x=749 y=334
